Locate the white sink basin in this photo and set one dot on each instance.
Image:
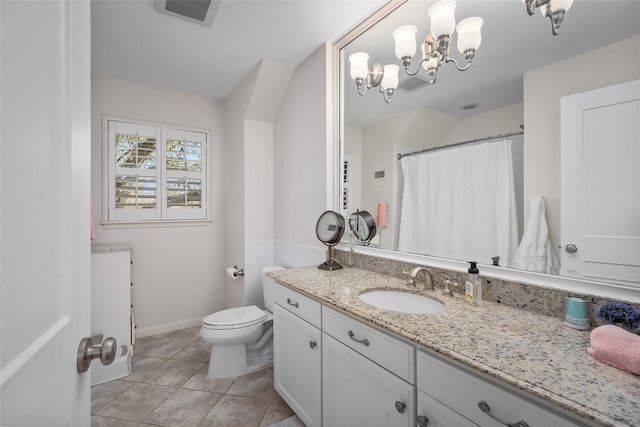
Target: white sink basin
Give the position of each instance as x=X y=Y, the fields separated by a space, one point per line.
x=402 y=302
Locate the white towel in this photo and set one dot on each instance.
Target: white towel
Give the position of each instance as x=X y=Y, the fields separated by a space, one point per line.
x=536 y=252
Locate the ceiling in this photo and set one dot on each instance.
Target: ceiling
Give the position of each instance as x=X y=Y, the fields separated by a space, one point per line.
x=133 y=41
x=512 y=43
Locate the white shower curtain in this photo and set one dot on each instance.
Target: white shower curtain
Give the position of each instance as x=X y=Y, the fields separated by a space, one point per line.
x=459 y=203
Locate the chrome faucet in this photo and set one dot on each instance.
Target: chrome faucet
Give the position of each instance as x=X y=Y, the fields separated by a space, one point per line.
x=428 y=280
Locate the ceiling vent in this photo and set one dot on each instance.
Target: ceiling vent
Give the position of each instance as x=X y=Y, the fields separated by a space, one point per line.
x=412 y=83
x=200 y=11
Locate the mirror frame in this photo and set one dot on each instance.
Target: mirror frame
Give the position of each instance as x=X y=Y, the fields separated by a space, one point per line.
x=563 y=283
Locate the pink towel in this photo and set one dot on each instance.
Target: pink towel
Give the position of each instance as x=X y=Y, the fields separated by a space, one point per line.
x=617 y=347
x=381 y=219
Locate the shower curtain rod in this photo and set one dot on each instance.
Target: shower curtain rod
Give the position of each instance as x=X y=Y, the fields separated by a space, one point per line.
x=471 y=141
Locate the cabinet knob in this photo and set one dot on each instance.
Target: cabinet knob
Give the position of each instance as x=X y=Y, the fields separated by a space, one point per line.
x=422 y=421
x=484 y=407
x=295 y=304
x=312 y=344
x=400 y=406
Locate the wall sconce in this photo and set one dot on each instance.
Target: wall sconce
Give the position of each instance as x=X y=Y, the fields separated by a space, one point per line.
x=435 y=48
x=552 y=9
x=386 y=77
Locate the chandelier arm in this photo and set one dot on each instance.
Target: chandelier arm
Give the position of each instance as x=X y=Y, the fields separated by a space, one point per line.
x=556 y=19
x=387 y=94
x=532 y=5
x=450 y=59
x=360 y=91
x=554 y=28
x=409 y=73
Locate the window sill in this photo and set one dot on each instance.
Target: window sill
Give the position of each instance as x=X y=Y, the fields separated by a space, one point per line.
x=157 y=223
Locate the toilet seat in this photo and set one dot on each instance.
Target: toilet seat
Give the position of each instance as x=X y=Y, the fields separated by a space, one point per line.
x=234 y=318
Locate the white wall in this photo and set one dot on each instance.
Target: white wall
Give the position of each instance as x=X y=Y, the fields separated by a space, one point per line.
x=258 y=212
x=495 y=122
x=249 y=114
x=303 y=129
x=235 y=111
x=165 y=297
x=542 y=91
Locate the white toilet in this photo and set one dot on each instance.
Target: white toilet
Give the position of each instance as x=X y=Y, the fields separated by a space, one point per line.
x=241 y=338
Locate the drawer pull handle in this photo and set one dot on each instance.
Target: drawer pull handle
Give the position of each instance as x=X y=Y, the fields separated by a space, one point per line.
x=363 y=341
x=422 y=421
x=295 y=304
x=312 y=344
x=400 y=406
x=484 y=407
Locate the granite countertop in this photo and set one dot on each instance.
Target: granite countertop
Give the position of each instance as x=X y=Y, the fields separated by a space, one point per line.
x=534 y=353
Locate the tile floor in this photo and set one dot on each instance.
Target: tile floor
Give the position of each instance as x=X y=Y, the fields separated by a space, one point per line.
x=168 y=386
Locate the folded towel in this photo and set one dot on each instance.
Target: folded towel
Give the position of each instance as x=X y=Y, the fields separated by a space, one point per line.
x=616 y=347
x=536 y=251
x=381 y=219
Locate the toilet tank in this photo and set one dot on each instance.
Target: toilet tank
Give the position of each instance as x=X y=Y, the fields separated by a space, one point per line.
x=267 y=286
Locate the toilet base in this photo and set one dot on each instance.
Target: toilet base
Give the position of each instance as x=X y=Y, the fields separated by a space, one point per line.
x=234 y=360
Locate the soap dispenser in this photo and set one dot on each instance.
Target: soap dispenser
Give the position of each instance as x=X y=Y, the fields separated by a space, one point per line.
x=473 y=286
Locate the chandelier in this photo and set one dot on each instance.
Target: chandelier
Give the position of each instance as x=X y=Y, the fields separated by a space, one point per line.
x=435 y=48
x=552 y=9
x=366 y=78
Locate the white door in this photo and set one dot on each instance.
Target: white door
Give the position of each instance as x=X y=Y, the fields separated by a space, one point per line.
x=45 y=246
x=601 y=184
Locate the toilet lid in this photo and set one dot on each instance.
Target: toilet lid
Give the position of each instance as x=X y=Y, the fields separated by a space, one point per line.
x=236 y=317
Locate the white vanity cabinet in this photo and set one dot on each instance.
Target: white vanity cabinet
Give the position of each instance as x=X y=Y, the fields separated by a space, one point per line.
x=297 y=351
x=356 y=391
x=463 y=393
x=111 y=309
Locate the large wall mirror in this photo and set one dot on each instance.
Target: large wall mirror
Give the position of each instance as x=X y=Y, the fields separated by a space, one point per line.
x=511 y=95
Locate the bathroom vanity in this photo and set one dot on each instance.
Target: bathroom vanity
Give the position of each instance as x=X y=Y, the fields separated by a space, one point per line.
x=341 y=362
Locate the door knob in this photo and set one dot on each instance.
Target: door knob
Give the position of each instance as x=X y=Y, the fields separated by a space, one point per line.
x=571 y=248
x=106 y=352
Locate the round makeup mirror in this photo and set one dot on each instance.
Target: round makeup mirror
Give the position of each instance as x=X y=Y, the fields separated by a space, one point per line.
x=329 y=230
x=363 y=226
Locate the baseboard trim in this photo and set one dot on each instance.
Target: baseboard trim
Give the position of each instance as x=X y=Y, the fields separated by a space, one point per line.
x=167 y=327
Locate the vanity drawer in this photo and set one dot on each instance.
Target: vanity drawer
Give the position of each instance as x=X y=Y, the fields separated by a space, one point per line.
x=462 y=391
x=387 y=351
x=298 y=304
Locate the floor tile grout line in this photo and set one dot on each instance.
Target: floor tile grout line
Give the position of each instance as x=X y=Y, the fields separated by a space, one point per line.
x=187 y=343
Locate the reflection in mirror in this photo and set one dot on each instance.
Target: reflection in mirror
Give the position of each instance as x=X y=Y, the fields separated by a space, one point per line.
x=518 y=79
x=363 y=226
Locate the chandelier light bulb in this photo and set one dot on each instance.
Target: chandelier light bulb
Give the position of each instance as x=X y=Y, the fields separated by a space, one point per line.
x=359 y=66
x=405 y=38
x=432 y=63
x=443 y=21
x=469 y=37
x=390 y=78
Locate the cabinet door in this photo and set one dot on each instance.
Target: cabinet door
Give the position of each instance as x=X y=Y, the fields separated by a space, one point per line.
x=432 y=413
x=357 y=392
x=297 y=369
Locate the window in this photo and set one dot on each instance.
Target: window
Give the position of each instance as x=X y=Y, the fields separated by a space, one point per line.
x=155 y=173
